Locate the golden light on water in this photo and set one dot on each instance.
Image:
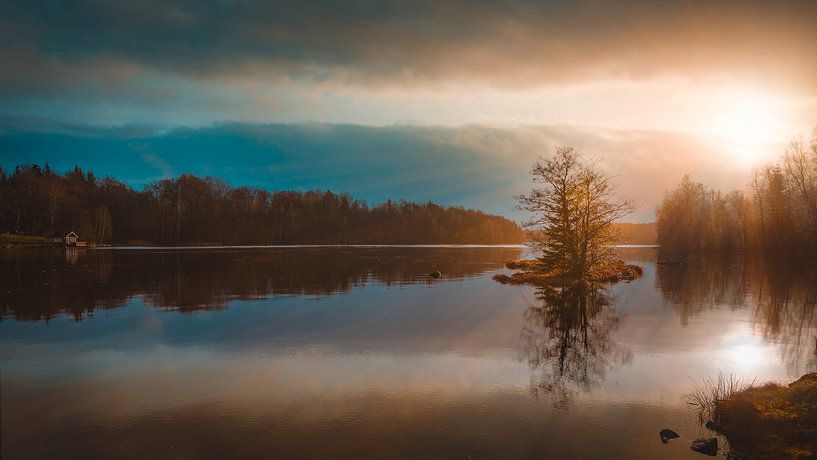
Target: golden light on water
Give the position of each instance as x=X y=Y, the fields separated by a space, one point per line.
x=746 y=356
x=746 y=353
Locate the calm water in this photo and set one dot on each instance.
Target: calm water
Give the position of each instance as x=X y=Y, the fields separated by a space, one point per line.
x=356 y=352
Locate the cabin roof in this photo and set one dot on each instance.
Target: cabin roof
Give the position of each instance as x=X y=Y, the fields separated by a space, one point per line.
x=72 y=234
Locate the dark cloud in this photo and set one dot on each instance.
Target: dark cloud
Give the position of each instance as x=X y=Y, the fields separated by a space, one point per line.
x=475 y=166
x=53 y=45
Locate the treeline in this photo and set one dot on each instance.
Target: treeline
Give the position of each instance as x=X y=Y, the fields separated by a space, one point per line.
x=776 y=215
x=629 y=233
x=38 y=201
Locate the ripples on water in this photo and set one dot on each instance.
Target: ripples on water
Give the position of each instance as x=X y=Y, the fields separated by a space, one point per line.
x=357 y=352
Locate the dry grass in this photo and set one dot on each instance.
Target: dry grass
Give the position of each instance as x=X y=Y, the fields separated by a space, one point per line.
x=616 y=271
x=763 y=421
x=710 y=393
x=532 y=272
x=525 y=264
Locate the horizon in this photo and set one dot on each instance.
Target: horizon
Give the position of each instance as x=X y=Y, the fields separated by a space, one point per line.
x=128 y=154
x=141 y=187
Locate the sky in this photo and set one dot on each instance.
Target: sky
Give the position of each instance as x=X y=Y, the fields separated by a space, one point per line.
x=445 y=101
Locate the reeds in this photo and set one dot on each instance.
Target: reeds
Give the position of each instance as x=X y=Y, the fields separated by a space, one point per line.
x=710 y=393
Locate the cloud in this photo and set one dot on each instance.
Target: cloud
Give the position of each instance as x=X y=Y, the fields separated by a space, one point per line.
x=476 y=166
x=51 y=46
x=154 y=160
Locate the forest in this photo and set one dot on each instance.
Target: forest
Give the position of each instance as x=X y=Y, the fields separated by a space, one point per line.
x=39 y=201
x=776 y=215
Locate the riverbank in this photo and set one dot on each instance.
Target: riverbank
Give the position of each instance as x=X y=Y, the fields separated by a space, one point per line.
x=532 y=272
x=769 y=421
x=9 y=240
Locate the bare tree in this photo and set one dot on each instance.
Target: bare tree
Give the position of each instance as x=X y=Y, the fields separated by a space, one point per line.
x=572 y=213
x=102 y=225
x=800 y=166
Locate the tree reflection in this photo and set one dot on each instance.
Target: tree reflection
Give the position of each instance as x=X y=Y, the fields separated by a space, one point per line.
x=42 y=284
x=785 y=304
x=704 y=283
x=567 y=341
x=783 y=299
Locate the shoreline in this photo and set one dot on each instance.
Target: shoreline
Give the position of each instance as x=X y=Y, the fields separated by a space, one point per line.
x=273 y=246
x=765 y=420
x=529 y=271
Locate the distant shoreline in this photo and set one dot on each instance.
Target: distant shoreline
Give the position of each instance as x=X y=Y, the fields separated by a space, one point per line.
x=285 y=246
x=361 y=246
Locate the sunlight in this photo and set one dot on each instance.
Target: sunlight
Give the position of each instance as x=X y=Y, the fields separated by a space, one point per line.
x=746 y=123
x=747 y=353
x=746 y=356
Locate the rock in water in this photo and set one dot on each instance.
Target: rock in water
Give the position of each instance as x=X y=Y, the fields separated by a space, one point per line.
x=667 y=434
x=435 y=274
x=706 y=446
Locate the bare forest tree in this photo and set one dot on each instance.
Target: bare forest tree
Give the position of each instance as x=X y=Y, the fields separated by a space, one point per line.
x=778 y=216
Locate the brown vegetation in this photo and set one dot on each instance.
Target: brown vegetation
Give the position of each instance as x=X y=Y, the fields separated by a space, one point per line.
x=769 y=421
x=533 y=272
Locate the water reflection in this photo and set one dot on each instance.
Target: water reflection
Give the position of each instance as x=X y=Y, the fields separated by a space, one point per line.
x=782 y=300
x=358 y=353
x=37 y=285
x=567 y=340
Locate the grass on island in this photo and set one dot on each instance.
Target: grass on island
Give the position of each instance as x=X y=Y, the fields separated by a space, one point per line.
x=532 y=272
x=761 y=421
x=8 y=240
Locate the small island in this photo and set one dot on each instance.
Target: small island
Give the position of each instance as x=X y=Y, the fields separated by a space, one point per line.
x=535 y=272
x=572 y=227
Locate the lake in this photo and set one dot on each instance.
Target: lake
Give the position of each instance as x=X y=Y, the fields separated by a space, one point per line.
x=355 y=352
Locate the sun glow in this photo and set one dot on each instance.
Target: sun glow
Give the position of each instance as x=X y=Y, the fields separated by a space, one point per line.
x=745 y=354
x=747 y=123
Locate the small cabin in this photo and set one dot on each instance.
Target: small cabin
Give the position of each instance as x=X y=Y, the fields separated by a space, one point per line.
x=71 y=239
